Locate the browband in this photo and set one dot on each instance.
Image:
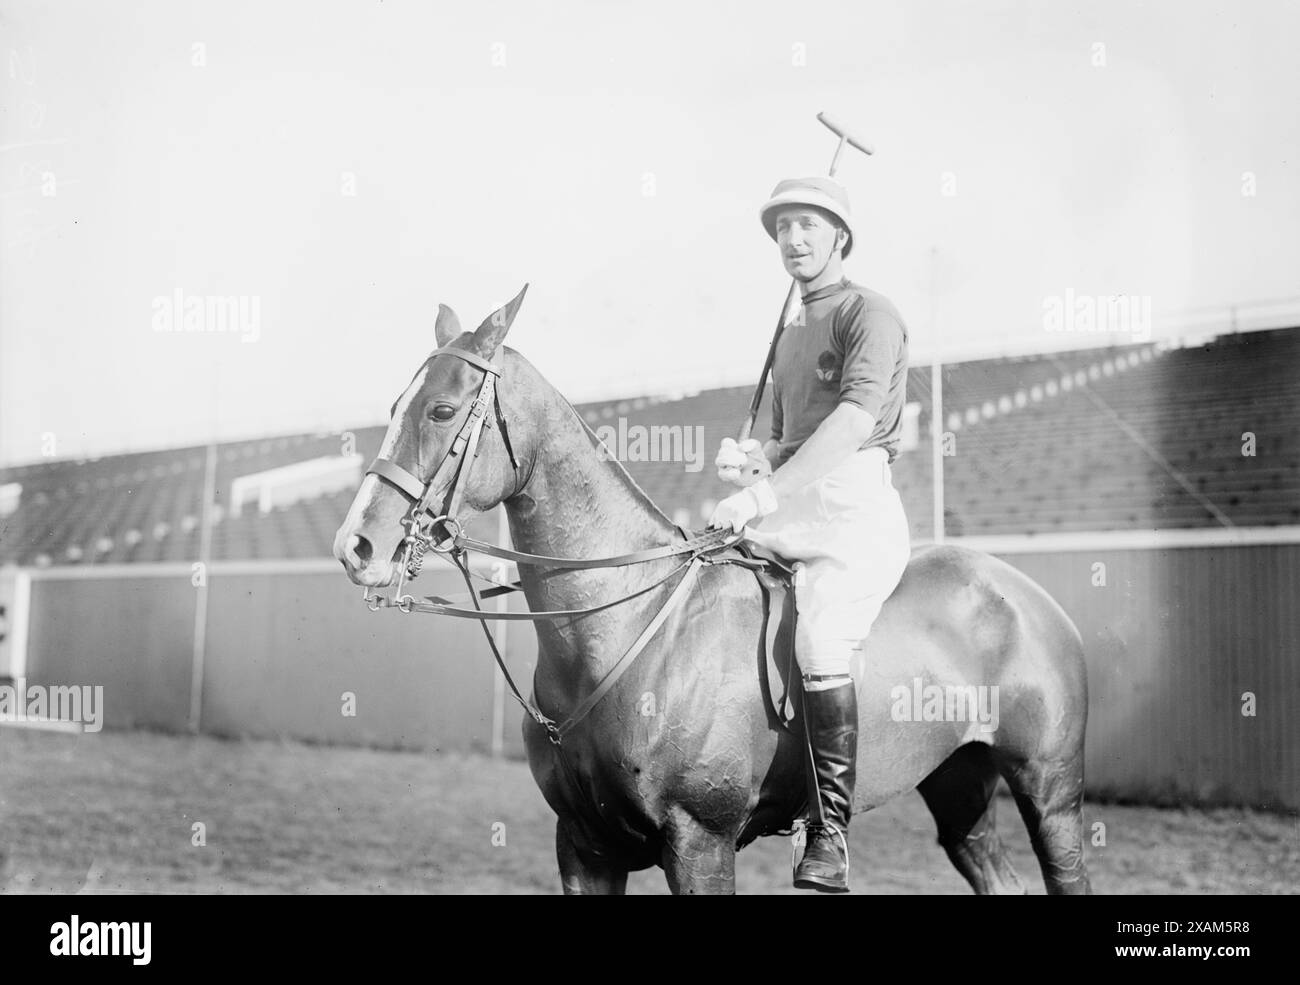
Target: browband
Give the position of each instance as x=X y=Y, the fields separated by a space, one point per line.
x=473 y=358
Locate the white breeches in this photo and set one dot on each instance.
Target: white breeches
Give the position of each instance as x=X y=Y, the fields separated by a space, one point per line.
x=850 y=533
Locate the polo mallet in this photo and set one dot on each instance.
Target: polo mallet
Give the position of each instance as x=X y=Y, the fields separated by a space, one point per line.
x=852 y=141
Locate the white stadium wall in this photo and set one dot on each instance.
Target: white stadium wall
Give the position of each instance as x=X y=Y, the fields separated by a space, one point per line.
x=1175 y=638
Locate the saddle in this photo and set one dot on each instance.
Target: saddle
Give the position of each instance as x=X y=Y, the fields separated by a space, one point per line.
x=775 y=576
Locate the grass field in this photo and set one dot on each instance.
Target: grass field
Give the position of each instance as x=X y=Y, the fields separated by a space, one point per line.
x=116 y=812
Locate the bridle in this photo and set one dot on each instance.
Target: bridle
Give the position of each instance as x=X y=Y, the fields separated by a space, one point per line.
x=424 y=518
x=452 y=474
x=720 y=546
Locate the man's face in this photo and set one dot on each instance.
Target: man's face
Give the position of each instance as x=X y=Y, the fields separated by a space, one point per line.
x=807 y=237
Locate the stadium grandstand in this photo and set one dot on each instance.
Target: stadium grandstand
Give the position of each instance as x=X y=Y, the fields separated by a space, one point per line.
x=1139 y=437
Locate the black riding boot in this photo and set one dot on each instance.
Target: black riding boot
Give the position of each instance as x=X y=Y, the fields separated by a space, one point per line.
x=833 y=733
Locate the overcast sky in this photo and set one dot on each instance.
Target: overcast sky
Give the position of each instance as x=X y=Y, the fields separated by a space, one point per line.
x=343 y=167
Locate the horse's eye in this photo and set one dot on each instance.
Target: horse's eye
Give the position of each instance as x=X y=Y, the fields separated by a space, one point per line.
x=442 y=412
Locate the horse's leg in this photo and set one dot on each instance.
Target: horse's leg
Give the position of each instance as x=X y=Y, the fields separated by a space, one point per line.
x=959 y=794
x=697 y=860
x=581 y=876
x=1049 y=793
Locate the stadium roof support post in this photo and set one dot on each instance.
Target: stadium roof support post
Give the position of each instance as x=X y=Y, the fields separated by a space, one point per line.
x=15 y=613
x=201 y=588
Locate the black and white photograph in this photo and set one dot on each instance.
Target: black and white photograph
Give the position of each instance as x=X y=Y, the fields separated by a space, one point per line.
x=844 y=448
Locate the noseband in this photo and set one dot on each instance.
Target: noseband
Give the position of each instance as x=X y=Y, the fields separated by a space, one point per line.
x=452 y=472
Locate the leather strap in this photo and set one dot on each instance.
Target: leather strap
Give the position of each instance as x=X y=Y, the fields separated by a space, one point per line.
x=474 y=423
x=615 y=672
x=558 y=732
x=462 y=453
x=706 y=541
x=452 y=470
x=439 y=606
x=473 y=358
x=397 y=476
x=700 y=548
x=816 y=814
x=459 y=457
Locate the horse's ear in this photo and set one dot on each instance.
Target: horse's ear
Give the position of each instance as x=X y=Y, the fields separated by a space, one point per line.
x=447 y=327
x=490 y=334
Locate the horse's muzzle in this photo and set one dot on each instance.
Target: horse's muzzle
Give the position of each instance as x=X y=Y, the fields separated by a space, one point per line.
x=356 y=555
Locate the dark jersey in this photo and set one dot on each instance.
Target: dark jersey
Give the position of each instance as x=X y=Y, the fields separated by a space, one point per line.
x=850 y=346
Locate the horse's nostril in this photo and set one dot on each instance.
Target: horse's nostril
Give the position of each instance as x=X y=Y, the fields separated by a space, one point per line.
x=361 y=549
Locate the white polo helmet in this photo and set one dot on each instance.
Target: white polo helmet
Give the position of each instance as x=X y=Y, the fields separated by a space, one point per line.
x=823 y=193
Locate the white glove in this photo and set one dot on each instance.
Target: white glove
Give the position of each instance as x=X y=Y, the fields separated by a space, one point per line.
x=742 y=464
x=739 y=509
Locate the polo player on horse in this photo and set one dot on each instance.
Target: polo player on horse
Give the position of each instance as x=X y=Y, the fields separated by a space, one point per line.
x=820 y=492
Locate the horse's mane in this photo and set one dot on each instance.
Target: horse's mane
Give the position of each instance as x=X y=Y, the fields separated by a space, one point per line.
x=620 y=470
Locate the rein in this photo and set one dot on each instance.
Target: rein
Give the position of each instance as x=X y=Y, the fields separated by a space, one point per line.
x=424 y=517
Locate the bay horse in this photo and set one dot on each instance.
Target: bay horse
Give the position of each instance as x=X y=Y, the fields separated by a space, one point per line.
x=709 y=768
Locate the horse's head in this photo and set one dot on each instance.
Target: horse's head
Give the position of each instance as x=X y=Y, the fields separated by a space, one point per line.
x=446 y=453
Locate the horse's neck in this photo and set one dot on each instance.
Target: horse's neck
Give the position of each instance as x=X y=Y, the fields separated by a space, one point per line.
x=579 y=504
